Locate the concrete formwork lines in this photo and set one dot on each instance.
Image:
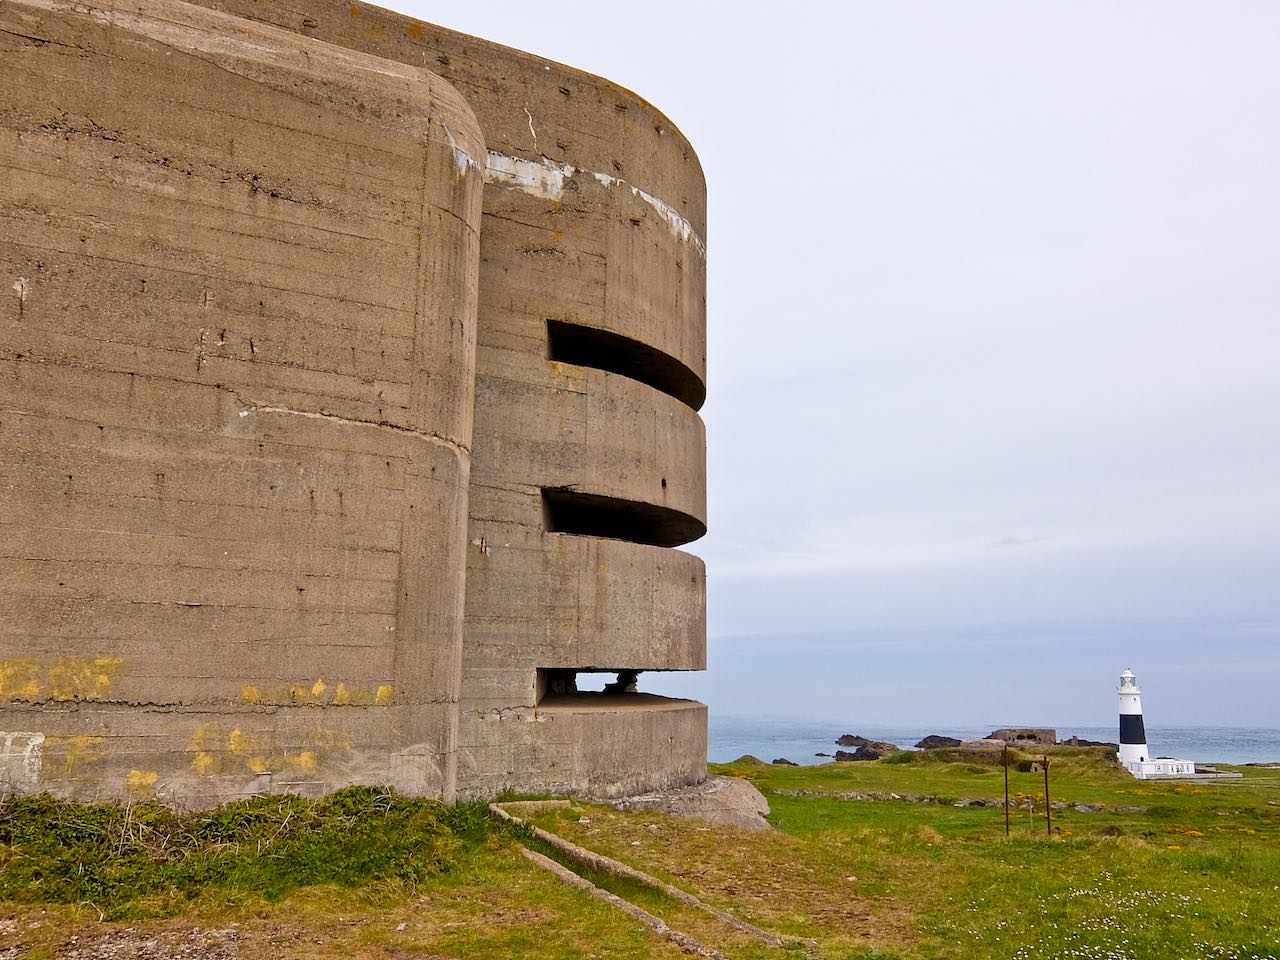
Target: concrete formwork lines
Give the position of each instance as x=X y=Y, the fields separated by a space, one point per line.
x=224 y=602
x=170 y=267
x=281 y=385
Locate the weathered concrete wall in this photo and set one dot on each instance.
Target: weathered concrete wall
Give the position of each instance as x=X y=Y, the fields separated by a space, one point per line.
x=594 y=215
x=237 y=342
x=254 y=309
x=594 y=746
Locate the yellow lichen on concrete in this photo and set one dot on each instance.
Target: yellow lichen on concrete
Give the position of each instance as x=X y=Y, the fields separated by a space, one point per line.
x=219 y=750
x=207 y=736
x=19 y=679
x=246 y=744
x=327 y=740
x=82 y=678
x=66 y=678
x=317 y=694
x=141 y=783
x=65 y=757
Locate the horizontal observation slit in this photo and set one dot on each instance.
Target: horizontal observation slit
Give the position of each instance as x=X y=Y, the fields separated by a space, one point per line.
x=592 y=688
x=592 y=515
x=614 y=353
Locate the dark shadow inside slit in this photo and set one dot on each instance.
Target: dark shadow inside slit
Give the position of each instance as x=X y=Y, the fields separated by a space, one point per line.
x=592 y=515
x=602 y=350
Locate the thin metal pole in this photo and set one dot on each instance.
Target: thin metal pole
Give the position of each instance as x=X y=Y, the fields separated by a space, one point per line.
x=1048 y=811
x=1006 y=789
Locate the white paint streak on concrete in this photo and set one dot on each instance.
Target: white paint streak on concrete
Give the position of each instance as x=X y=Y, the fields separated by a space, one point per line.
x=20 y=755
x=531 y=130
x=21 y=287
x=542 y=178
x=681 y=227
x=461 y=159
x=545 y=178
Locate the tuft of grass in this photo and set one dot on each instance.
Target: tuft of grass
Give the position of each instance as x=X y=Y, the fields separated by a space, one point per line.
x=147 y=860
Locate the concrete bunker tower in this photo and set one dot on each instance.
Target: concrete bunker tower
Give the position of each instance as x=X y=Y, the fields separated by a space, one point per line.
x=350 y=371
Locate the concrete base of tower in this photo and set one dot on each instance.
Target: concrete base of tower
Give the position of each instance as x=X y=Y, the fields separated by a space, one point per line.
x=585 y=744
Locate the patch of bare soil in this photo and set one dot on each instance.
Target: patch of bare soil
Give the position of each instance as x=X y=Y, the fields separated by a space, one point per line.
x=130 y=943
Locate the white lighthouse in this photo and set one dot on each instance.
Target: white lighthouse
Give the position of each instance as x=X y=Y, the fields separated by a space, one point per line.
x=1133 y=734
x=1134 y=755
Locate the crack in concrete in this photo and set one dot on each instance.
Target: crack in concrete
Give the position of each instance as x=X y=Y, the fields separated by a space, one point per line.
x=250 y=405
x=440 y=439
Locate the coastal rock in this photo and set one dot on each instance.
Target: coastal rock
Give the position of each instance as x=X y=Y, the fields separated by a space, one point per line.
x=784 y=762
x=722 y=800
x=822 y=754
x=882 y=746
x=935 y=741
x=867 y=752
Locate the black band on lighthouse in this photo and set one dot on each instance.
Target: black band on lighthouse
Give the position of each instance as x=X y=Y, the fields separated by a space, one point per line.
x=1131 y=729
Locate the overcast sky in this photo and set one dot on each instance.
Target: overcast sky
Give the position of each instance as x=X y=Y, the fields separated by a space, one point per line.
x=994 y=318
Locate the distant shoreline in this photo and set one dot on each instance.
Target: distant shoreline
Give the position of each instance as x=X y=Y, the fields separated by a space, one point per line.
x=729 y=737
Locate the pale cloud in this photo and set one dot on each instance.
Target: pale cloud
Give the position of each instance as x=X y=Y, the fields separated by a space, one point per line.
x=981 y=276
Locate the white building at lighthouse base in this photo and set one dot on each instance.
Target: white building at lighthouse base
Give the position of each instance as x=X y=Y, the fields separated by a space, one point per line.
x=1159 y=767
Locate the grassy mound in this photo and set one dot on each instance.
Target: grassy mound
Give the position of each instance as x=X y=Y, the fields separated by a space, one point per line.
x=1097 y=760
x=148 y=860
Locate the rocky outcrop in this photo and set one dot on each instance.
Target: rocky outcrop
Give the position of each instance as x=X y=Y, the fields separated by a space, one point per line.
x=867 y=752
x=722 y=800
x=936 y=742
x=784 y=762
x=881 y=746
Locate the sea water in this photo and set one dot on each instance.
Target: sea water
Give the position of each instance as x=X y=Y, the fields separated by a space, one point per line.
x=800 y=741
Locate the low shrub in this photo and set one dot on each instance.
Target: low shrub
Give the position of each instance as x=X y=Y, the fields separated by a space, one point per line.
x=147 y=859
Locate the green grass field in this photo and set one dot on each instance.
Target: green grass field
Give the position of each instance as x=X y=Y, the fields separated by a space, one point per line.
x=1150 y=870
